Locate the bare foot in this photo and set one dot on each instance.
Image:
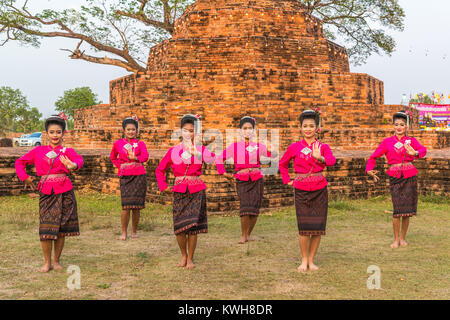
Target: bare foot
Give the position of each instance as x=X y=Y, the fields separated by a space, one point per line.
x=134 y=236
x=123 y=237
x=45 y=268
x=313 y=267
x=190 y=265
x=250 y=238
x=403 y=243
x=303 y=267
x=57 y=266
x=394 y=245
x=243 y=240
x=182 y=263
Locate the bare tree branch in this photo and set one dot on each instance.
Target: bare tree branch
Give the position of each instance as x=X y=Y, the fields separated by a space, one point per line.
x=78 y=54
x=167 y=24
x=131 y=63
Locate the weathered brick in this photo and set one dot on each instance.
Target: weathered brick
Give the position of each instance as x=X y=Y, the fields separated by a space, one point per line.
x=346 y=179
x=264 y=58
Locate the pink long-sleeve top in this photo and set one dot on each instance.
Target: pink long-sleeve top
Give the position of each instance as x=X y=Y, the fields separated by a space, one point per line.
x=174 y=159
x=305 y=163
x=394 y=150
x=126 y=166
x=245 y=156
x=40 y=157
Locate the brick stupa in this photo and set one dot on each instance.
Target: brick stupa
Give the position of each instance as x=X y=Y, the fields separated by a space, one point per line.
x=264 y=58
x=230 y=58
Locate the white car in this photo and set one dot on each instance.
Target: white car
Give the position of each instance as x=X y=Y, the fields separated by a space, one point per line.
x=33 y=140
x=16 y=141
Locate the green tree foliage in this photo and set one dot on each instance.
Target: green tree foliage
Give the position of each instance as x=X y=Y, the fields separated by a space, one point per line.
x=75 y=99
x=124 y=30
x=362 y=25
x=15 y=113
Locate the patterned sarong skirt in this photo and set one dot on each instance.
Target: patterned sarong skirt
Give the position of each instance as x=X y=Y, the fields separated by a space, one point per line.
x=311 y=208
x=250 y=195
x=58 y=216
x=189 y=212
x=133 y=190
x=404 y=196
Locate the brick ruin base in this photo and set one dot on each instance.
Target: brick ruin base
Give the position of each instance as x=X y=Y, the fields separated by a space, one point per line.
x=346 y=180
x=339 y=139
x=226 y=59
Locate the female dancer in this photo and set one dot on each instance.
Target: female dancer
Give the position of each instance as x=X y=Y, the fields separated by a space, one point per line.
x=249 y=178
x=311 y=194
x=57 y=203
x=129 y=155
x=400 y=151
x=189 y=196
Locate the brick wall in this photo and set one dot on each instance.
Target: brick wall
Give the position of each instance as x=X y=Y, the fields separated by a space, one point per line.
x=12 y=135
x=347 y=179
x=339 y=139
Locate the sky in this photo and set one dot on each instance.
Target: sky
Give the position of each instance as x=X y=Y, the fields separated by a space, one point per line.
x=421 y=62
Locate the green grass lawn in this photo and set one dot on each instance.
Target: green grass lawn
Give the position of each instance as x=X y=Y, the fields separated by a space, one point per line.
x=359 y=233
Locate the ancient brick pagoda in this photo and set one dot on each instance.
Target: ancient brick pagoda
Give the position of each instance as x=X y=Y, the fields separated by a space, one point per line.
x=264 y=58
x=229 y=58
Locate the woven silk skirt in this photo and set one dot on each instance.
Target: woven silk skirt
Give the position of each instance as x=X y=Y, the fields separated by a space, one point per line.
x=133 y=190
x=189 y=212
x=404 y=196
x=311 y=208
x=58 y=216
x=250 y=195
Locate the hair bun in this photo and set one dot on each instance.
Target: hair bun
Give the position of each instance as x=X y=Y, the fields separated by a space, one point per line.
x=56 y=118
x=194 y=119
x=249 y=119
